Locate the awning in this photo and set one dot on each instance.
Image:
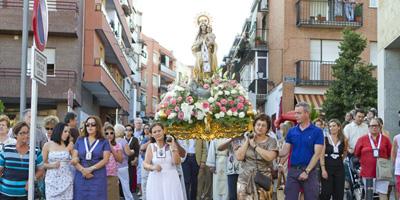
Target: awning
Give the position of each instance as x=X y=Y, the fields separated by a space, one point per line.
x=313 y=99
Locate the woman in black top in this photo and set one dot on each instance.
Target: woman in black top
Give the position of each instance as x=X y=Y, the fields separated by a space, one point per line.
x=331 y=160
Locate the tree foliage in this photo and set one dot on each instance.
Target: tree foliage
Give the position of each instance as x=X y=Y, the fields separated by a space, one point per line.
x=354 y=82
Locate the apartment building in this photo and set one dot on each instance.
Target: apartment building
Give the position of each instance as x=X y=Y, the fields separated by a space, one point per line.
x=300 y=40
x=158 y=66
x=93 y=50
x=389 y=64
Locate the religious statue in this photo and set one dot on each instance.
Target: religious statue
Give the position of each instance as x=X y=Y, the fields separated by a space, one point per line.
x=205 y=51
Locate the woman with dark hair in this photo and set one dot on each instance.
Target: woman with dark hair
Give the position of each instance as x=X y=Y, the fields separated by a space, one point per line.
x=91 y=154
x=18 y=155
x=112 y=165
x=57 y=156
x=332 y=167
x=161 y=160
x=257 y=153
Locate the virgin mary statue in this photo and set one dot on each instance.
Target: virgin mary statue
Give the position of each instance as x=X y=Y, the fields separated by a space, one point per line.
x=204 y=49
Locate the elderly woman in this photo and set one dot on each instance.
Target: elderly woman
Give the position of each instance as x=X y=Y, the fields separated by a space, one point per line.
x=4 y=128
x=18 y=154
x=123 y=173
x=49 y=123
x=257 y=153
x=370 y=147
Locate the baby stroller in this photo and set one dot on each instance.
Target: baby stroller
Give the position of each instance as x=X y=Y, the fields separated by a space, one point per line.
x=353 y=181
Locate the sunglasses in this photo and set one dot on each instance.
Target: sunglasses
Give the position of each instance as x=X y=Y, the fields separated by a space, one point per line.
x=109 y=133
x=48 y=129
x=93 y=124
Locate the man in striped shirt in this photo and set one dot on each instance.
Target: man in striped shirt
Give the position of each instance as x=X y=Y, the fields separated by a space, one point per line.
x=14 y=165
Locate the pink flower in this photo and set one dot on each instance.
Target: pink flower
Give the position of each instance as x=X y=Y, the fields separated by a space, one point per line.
x=206 y=86
x=173 y=101
x=232 y=82
x=165 y=104
x=168 y=112
x=211 y=108
x=169 y=98
x=189 y=99
x=176 y=109
x=224 y=101
x=216 y=81
x=234 y=109
x=206 y=105
x=231 y=102
x=240 y=106
x=179 y=99
x=241 y=99
x=223 y=109
x=180 y=115
x=218 y=104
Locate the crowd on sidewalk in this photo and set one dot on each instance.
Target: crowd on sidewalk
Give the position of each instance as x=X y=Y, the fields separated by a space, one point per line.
x=305 y=159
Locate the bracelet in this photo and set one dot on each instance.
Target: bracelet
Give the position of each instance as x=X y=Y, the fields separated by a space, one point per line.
x=93 y=168
x=305 y=171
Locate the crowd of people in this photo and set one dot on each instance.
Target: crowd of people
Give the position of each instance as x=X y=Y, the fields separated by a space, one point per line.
x=305 y=159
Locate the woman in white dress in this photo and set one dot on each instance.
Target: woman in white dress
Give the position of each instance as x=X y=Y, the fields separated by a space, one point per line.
x=57 y=156
x=216 y=160
x=161 y=159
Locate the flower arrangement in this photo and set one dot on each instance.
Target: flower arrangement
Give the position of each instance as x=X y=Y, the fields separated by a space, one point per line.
x=227 y=106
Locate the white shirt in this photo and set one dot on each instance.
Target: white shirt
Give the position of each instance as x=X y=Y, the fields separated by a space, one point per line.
x=188 y=145
x=8 y=141
x=397 y=163
x=353 y=132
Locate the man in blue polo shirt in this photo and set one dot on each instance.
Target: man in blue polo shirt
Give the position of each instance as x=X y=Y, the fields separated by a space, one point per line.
x=304 y=142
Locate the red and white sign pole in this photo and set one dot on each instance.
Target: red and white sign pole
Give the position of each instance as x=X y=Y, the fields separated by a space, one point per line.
x=38 y=73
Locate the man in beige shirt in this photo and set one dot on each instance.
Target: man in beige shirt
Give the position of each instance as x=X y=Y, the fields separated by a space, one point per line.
x=355 y=129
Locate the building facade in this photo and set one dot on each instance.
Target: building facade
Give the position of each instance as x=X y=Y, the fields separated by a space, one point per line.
x=92 y=50
x=389 y=64
x=158 y=66
x=301 y=40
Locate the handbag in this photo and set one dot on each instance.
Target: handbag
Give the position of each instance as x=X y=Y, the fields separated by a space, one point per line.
x=260 y=179
x=384 y=169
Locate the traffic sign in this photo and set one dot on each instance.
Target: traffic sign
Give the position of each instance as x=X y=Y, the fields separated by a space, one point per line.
x=39 y=66
x=40 y=23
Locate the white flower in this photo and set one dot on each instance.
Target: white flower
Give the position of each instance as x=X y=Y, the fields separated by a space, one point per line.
x=227 y=92
x=241 y=114
x=187 y=111
x=220 y=93
x=229 y=113
x=216 y=96
x=217 y=116
x=200 y=115
x=157 y=117
x=235 y=114
x=179 y=88
x=172 y=115
x=221 y=114
x=233 y=91
x=211 y=99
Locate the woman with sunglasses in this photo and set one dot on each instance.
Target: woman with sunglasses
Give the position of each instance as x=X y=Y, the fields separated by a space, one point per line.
x=91 y=154
x=18 y=154
x=49 y=124
x=57 y=156
x=112 y=165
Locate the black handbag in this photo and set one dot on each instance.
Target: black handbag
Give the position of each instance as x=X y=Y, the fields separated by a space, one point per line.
x=260 y=179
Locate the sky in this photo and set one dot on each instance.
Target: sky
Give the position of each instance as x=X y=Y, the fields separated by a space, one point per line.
x=173 y=23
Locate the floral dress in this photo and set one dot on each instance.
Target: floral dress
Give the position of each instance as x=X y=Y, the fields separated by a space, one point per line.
x=59 y=182
x=247 y=189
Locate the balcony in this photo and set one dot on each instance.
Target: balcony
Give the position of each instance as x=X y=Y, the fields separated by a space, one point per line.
x=263 y=6
x=63 y=17
x=325 y=14
x=169 y=73
x=311 y=72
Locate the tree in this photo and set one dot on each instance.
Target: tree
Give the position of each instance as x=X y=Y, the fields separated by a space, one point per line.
x=1 y=107
x=354 y=82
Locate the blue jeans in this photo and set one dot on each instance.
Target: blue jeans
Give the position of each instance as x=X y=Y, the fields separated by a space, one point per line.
x=348 y=8
x=293 y=184
x=232 y=186
x=190 y=171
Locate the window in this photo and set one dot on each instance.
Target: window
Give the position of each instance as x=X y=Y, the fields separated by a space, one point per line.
x=165 y=60
x=262 y=63
x=154 y=104
x=373 y=3
x=321 y=51
x=51 y=61
x=373 y=53
x=156 y=80
x=156 y=59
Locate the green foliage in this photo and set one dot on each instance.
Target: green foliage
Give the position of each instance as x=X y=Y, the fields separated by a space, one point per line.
x=1 y=107
x=314 y=114
x=358 y=10
x=354 y=83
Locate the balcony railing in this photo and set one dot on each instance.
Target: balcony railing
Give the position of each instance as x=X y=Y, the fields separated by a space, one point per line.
x=311 y=72
x=328 y=13
x=167 y=70
x=52 y=5
x=115 y=76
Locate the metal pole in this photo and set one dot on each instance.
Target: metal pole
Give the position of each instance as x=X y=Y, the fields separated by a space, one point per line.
x=24 y=59
x=32 y=134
